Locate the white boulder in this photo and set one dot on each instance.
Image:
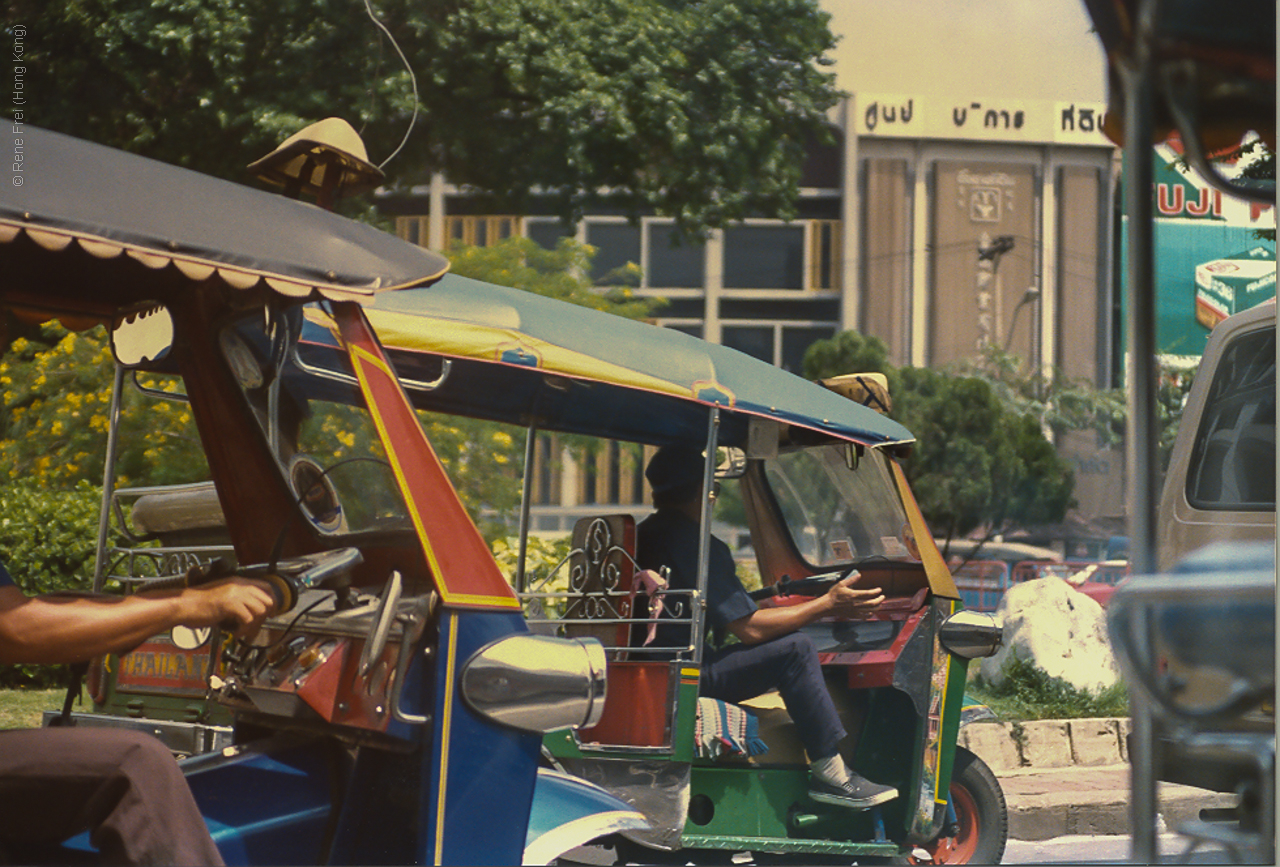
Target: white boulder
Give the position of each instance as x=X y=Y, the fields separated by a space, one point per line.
x=1060 y=629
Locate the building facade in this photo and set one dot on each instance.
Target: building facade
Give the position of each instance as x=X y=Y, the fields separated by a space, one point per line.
x=940 y=227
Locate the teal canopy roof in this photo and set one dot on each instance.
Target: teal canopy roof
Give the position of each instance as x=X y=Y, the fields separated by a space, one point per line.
x=517 y=356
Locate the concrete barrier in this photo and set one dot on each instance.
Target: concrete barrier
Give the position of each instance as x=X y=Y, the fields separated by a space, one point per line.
x=1005 y=746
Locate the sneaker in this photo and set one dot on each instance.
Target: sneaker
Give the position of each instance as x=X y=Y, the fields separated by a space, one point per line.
x=857 y=794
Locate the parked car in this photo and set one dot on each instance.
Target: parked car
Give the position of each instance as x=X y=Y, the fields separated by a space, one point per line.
x=1221 y=482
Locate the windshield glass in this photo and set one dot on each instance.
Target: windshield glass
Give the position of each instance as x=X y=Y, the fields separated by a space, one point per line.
x=837 y=514
x=304 y=395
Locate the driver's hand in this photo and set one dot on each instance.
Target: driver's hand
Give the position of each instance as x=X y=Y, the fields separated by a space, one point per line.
x=849 y=601
x=240 y=604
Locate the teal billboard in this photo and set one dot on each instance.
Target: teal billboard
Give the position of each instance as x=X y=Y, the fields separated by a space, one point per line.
x=1209 y=259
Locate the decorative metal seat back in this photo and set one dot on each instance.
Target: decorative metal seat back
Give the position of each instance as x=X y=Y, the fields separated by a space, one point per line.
x=602 y=569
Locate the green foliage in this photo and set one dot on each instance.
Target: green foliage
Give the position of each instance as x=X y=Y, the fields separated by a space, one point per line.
x=54 y=416
x=1029 y=693
x=47 y=542
x=485 y=463
x=542 y=556
x=700 y=110
x=47 y=537
x=1065 y=404
x=559 y=273
x=975 y=463
x=846 y=352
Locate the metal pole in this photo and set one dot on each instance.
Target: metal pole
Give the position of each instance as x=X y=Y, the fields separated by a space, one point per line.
x=526 y=502
x=1139 y=84
x=1139 y=177
x=704 y=542
x=108 y=480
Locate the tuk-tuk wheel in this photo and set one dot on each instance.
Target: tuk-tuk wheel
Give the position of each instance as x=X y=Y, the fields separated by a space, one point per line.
x=982 y=818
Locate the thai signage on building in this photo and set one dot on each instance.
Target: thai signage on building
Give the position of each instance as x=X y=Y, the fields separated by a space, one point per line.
x=1005 y=120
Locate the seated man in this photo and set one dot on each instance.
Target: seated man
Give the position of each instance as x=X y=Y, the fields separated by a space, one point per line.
x=771 y=652
x=124 y=787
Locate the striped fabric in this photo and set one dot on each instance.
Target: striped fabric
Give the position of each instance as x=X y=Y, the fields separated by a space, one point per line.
x=726 y=729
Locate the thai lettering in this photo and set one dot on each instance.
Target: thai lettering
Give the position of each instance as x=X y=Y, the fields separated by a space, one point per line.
x=1081 y=118
x=992 y=118
x=886 y=113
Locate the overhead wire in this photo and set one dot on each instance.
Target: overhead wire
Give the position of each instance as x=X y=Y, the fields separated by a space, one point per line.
x=413 y=80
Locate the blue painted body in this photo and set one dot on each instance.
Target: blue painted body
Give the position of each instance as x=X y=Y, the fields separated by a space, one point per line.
x=458 y=792
x=269 y=804
x=474 y=758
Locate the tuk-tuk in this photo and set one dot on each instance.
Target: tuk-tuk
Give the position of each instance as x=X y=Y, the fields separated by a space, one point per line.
x=402 y=635
x=817 y=476
x=820 y=487
x=393 y=710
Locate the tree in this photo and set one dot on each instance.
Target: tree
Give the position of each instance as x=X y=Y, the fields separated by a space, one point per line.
x=698 y=109
x=485 y=460
x=976 y=464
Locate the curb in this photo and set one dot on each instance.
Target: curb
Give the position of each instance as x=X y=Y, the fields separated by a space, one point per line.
x=1069 y=777
x=1092 y=801
x=1004 y=746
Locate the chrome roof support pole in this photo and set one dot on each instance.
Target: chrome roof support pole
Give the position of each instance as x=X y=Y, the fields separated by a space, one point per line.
x=526 y=503
x=108 y=480
x=704 y=543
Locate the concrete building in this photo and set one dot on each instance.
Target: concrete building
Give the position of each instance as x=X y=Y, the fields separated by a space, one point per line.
x=967 y=203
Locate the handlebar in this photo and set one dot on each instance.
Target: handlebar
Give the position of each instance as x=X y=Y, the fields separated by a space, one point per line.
x=286 y=579
x=814 y=585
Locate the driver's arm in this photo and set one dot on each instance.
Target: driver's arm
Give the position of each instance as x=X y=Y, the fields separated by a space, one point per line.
x=54 y=629
x=842 y=600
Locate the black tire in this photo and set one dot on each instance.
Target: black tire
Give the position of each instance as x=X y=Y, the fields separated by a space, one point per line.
x=982 y=817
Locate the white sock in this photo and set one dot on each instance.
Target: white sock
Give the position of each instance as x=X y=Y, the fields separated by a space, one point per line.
x=830 y=770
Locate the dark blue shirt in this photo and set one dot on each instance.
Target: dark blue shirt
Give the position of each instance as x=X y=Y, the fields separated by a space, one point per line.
x=5 y=578
x=670 y=538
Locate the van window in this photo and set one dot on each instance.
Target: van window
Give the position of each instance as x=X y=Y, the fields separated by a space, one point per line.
x=1233 y=462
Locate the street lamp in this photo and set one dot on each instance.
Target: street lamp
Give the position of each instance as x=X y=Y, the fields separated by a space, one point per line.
x=1030 y=295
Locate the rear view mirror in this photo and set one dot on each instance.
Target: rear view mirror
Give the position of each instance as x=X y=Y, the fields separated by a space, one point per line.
x=142 y=337
x=731 y=463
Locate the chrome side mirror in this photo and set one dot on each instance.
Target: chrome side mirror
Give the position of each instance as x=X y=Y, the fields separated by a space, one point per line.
x=971 y=634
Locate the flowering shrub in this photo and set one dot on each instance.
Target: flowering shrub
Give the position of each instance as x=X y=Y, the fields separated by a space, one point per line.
x=55 y=398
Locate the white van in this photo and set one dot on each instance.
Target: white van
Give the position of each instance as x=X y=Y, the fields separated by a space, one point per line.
x=1221 y=483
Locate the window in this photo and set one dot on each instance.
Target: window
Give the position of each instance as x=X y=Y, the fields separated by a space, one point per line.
x=672 y=265
x=754 y=340
x=796 y=341
x=764 y=257
x=780 y=344
x=1233 y=461
x=617 y=245
x=835 y=513
x=546 y=232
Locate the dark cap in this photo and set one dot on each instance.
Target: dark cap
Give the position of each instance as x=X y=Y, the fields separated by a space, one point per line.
x=675 y=467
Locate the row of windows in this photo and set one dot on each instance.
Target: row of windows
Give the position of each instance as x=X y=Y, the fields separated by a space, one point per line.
x=753 y=256
x=793 y=260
